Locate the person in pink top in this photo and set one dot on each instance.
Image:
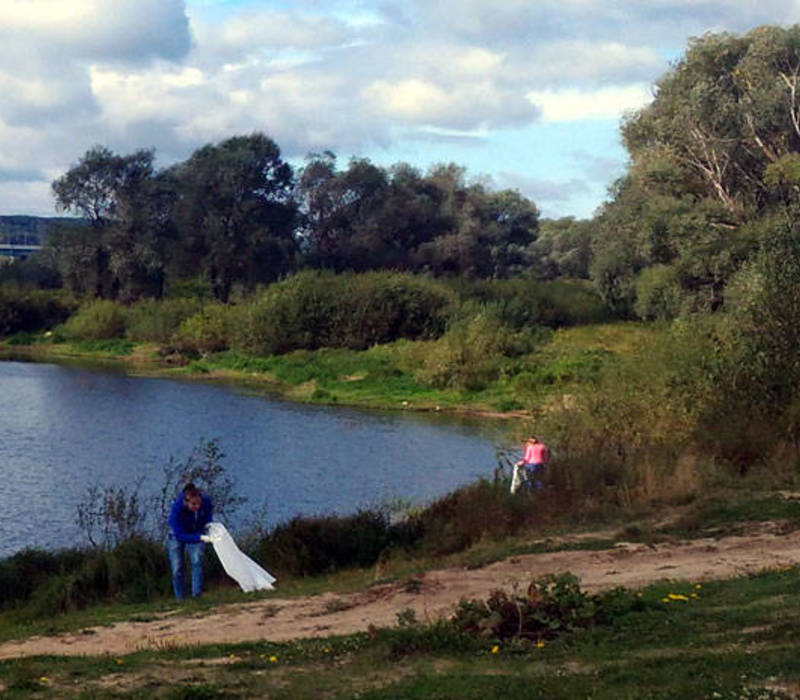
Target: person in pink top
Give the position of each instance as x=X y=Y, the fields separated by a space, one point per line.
x=535 y=459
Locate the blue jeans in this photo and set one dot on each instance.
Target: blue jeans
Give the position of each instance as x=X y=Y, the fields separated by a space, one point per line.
x=177 y=565
x=535 y=474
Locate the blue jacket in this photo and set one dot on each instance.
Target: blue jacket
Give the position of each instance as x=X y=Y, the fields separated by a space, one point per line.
x=186 y=525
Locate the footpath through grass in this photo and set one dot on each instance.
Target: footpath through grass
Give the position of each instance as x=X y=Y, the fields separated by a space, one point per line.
x=728 y=639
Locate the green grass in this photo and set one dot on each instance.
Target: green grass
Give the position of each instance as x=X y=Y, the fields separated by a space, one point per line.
x=384 y=376
x=735 y=639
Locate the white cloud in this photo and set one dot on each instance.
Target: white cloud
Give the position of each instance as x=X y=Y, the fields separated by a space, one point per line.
x=122 y=30
x=348 y=75
x=605 y=103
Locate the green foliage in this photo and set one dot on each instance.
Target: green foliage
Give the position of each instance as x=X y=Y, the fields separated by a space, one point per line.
x=98 y=320
x=524 y=303
x=155 y=321
x=474 y=351
x=313 y=310
x=312 y=546
x=32 y=310
x=552 y=606
x=658 y=293
x=206 y=331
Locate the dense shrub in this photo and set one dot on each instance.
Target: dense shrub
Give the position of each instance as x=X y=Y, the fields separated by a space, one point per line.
x=474 y=351
x=156 y=321
x=98 y=320
x=309 y=546
x=207 y=331
x=551 y=606
x=135 y=571
x=524 y=303
x=26 y=311
x=659 y=294
x=313 y=310
x=22 y=573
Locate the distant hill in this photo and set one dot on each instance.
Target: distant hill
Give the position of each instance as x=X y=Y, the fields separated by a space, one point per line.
x=28 y=230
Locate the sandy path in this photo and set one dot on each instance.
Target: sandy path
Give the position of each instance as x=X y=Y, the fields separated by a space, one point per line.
x=275 y=619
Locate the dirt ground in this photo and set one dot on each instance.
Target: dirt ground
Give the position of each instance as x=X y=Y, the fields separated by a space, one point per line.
x=432 y=595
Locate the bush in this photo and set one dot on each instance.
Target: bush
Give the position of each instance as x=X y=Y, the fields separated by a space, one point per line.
x=313 y=310
x=659 y=295
x=552 y=606
x=473 y=352
x=30 y=311
x=156 y=321
x=98 y=320
x=524 y=303
x=311 y=546
x=206 y=331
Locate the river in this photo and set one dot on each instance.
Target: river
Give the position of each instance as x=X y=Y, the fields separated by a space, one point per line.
x=66 y=428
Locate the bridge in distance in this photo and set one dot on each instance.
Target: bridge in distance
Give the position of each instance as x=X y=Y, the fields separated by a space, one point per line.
x=18 y=250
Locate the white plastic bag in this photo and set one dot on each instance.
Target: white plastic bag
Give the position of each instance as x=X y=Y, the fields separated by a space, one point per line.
x=241 y=568
x=518 y=476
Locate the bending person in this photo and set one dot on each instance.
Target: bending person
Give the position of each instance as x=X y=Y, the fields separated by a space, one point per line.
x=191 y=511
x=535 y=459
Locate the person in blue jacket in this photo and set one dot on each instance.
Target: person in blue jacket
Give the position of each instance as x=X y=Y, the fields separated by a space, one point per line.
x=191 y=511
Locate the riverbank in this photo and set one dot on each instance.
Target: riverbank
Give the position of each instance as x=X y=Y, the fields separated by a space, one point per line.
x=393 y=376
x=705 y=612
x=324 y=377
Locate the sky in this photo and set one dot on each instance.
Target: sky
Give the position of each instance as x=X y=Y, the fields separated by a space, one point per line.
x=526 y=94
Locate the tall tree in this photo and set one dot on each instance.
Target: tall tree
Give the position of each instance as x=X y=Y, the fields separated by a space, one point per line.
x=112 y=193
x=237 y=212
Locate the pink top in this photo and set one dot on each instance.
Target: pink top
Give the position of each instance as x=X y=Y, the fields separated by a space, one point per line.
x=535 y=453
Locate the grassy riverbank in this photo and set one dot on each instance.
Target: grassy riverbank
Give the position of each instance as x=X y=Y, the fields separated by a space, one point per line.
x=689 y=638
x=385 y=376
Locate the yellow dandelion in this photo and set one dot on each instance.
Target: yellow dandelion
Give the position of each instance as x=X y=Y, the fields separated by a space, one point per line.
x=665 y=600
x=495 y=649
x=326 y=650
x=698 y=585
x=677 y=596
x=273 y=659
x=44 y=679
x=540 y=644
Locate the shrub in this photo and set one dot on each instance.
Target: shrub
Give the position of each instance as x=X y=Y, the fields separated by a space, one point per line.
x=313 y=310
x=156 y=321
x=525 y=303
x=310 y=546
x=206 y=331
x=99 y=320
x=30 y=311
x=659 y=295
x=473 y=352
x=552 y=606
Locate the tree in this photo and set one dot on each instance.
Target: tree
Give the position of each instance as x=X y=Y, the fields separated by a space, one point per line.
x=237 y=213
x=121 y=251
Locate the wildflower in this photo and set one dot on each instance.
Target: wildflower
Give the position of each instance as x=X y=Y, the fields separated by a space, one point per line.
x=495 y=649
x=697 y=585
x=665 y=600
x=273 y=659
x=540 y=644
x=326 y=650
x=120 y=662
x=677 y=596
x=44 y=679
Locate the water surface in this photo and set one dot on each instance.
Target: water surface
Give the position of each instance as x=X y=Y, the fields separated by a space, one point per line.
x=65 y=428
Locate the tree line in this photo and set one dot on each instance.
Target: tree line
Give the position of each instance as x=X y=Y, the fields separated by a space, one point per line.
x=236 y=215
x=714 y=172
